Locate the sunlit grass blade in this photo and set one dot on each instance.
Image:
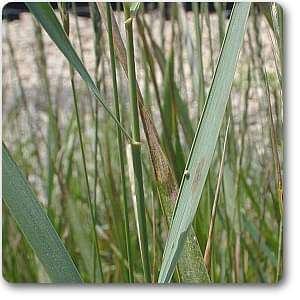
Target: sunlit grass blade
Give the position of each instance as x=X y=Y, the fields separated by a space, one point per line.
x=205 y=141
x=134 y=8
x=136 y=149
x=35 y=225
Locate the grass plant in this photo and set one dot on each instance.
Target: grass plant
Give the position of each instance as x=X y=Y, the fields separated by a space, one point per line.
x=143 y=158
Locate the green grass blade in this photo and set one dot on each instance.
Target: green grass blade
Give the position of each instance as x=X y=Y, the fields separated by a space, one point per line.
x=171 y=137
x=35 y=225
x=205 y=141
x=201 y=82
x=45 y=15
x=120 y=144
x=134 y=8
x=136 y=151
x=183 y=113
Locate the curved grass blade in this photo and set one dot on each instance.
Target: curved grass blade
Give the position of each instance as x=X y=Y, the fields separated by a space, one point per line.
x=35 y=225
x=134 y=8
x=45 y=15
x=205 y=141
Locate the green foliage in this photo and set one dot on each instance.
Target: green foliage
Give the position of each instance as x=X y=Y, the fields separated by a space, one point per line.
x=135 y=192
x=35 y=225
x=205 y=141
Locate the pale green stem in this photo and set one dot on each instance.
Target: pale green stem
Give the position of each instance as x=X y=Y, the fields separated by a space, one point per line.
x=120 y=143
x=136 y=150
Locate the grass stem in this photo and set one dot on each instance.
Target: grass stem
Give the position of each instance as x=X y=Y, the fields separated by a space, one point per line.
x=136 y=150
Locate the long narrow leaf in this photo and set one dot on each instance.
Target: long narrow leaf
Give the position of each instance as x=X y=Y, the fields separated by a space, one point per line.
x=205 y=141
x=45 y=15
x=35 y=225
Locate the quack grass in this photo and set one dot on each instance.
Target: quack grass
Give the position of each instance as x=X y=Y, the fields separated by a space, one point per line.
x=186 y=203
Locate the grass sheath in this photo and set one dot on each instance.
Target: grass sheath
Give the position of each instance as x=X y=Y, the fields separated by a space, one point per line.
x=136 y=150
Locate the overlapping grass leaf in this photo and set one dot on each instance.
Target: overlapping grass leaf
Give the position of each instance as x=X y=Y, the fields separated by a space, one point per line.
x=205 y=141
